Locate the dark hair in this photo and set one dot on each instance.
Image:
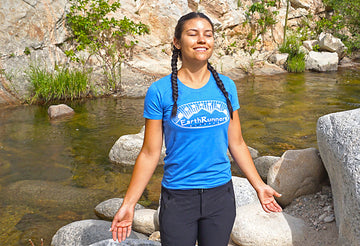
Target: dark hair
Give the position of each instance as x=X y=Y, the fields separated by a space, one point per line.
x=177 y=54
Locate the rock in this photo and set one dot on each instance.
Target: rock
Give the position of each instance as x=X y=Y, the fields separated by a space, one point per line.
x=155 y=236
x=144 y=221
x=244 y=192
x=127 y=242
x=253 y=226
x=298 y=172
x=263 y=165
x=56 y=111
x=268 y=69
x=127 y=147
x=309 y=44
x=85 y=232
x=47 y=194
x=338 y=137
x=107 y=209
x=279 y=59
x=328 y=42
x=321 y=61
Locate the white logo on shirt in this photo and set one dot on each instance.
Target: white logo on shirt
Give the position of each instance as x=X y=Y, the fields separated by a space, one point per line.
x=201 y=114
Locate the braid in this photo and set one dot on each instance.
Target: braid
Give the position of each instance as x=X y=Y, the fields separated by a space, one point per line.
x=221 y=86
x=174 y=85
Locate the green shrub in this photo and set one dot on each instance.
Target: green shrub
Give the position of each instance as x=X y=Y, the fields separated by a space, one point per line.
x=61 y=84
x=296 y=60
x=296 y=64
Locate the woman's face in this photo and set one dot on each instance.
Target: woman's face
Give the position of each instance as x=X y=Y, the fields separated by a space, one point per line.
x=197 y=40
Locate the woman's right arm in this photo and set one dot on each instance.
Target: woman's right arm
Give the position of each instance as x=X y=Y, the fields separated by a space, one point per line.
x=145 y=165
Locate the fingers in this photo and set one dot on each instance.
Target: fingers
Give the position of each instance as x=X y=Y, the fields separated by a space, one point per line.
x=121 y=233
x=272 y=207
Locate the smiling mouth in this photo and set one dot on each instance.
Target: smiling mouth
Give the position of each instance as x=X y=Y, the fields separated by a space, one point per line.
x=200 y=49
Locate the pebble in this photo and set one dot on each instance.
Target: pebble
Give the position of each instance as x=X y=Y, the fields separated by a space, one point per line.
x=329 y=218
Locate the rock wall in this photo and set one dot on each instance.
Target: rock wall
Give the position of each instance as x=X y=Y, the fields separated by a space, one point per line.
x=34 y=32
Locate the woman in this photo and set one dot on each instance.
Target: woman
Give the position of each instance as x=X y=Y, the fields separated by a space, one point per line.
x=195 y=108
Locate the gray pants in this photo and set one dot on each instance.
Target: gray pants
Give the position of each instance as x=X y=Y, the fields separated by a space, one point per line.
x=206 y=215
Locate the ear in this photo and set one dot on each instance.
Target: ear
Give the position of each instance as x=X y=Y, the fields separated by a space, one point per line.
x=177 y=43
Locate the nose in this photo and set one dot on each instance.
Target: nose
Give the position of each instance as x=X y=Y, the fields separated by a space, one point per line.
x=201 y=39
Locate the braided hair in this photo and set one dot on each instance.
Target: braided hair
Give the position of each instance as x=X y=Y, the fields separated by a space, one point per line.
x=177 y=54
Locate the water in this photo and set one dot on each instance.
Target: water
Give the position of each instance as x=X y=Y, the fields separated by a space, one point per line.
x=56 y=172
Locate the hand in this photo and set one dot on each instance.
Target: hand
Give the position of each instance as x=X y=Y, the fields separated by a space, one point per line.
x=266 y=196
x=121 y=224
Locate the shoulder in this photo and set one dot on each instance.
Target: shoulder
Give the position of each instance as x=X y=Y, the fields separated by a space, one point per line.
x=228 y=83
x=164 y=82
x=160 y=86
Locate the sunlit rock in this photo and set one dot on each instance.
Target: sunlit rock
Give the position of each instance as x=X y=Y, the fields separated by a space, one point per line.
x=338 y=137
x=253 y=226
x=296 y=173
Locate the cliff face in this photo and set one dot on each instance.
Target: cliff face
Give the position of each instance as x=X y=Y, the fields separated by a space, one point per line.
x=34 y=32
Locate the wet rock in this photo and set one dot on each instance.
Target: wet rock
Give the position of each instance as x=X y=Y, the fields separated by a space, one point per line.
x=51 y=194
x=107 y=209
x=56 y=111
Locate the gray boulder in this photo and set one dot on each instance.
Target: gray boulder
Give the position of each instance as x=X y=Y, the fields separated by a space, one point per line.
x=127 y=147
x=107 y=209
x=338 y=137
x=263 y=165
x=253 y=226
x=86 y=232
x=298 y=172
x=321 y=61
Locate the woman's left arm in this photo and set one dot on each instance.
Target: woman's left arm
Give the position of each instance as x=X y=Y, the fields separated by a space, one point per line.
x=242 y=157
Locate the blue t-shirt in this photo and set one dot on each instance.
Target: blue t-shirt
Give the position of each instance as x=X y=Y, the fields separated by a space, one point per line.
x=196 y=139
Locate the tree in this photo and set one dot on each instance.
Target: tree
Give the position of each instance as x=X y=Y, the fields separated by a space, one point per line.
x=106 y=38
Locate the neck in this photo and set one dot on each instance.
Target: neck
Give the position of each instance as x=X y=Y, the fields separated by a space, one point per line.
x=194 y=76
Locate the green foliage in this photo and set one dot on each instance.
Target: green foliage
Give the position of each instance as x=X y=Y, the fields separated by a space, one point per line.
x=316 y=48
x=296 y=64
x=346 y=13
x=61 y=84
x=27 y=51
x=261 y=17
x=102 y=36
x=296 y=60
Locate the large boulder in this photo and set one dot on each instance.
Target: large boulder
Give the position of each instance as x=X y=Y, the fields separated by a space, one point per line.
x=322 y=61
x=107 y=209
x=86 y=232
x=338 y=137
x=297 y=173
x=328 y=42
x=127 y=147
x=254 y=227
